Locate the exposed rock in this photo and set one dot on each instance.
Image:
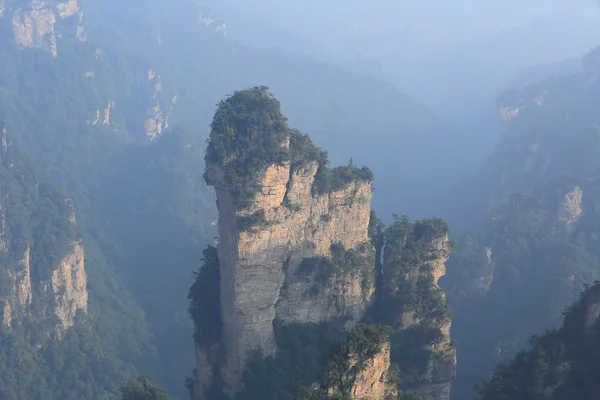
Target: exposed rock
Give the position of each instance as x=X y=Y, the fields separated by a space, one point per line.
x=572 y=206
x=7 y=314
x=23 y=280
x=509 y=113
x=252 y=262
x=69 y=284
x=155 y=122
x=1 y=8
x=371 y=380
x=35 y=23
x=433 y=379
x=97 y=119
x=34 y=28
x=109 y=107
x=68 y=8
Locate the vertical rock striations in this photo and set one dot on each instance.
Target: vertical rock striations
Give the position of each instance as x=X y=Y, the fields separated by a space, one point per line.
x=38 y=24
x=411 y=302
x=362 y=369
x=43 y=274
x=293 y=234
x=69 y=284
x=296 y=263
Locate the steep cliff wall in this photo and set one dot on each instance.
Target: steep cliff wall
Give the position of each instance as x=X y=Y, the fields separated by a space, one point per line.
x=362 y=370
x=38 y=24
x=289 y=253
x=69 y=284
x=414 y=257
x=433 y=379
x=39 y=248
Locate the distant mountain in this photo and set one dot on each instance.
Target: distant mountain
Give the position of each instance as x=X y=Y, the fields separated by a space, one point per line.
x=559 y=364
x=535 y=242
x=68 y=330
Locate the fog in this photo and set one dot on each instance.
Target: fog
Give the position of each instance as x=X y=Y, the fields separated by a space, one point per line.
x=451 y=56
x=480 y=112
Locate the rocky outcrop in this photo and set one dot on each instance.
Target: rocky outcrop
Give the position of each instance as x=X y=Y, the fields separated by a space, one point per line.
x=106 y=120
x=572 y=206
x=369 y=378
x=256 y=264
x=35 y=23
x=6 y=314
x=373 y=381
x=432 y=379
x=43 y=273
x=34 y=27
x=290 y=253
x=69 y=284
x=23 y=280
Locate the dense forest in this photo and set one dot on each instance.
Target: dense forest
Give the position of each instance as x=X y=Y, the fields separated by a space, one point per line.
x=108 y=108
x=536 y=236
x=560 y=364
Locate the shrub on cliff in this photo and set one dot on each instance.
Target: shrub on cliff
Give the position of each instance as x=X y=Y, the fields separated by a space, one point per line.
x=249 y=133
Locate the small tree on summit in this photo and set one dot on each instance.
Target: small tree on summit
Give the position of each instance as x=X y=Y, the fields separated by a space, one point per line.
x=143 y=389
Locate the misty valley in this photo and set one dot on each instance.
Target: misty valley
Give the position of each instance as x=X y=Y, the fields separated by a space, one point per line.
x=207 y=200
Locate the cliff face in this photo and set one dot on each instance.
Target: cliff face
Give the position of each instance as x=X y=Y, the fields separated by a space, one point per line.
x=36 y=285
x=369 y=378
x=69 y=284
x=38 y=24
x=306 y=258
x=412 y=303
x=432 y=378
x=259 y=267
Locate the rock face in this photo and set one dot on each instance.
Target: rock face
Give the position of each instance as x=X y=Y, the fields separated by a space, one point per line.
x=370 y=379
x=69 y=283
x=270 y=271
x=433 y=380
x=35 y=23
x=255 y=264
x=37 y=286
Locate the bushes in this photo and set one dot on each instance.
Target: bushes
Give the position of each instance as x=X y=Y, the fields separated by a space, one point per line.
x=204 y=299
x=249 y=134
x=341 y=262
x=248 y=223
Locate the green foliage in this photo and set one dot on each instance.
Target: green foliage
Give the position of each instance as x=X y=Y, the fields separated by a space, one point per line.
x=335 y=179
x=364 y=342
x=205 y=301
x=564 y=361
x=341 y=263
x=410 y=347
x=536 y=269
x=249 y=134
x=143 y=389
x=248 y=223
x=407 y=285
x=300 y=361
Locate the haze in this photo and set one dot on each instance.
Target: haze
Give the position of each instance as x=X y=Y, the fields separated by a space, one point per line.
x=184 y=182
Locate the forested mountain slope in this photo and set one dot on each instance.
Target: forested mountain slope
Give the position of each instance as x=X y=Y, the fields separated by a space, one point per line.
x=560 y=364
x=68 y=329
x=538 y=242
x=91 y=90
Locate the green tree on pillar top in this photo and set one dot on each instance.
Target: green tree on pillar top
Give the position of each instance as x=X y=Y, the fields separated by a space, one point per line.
x=143 y=389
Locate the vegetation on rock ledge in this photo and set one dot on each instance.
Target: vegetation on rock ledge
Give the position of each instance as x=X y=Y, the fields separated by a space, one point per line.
x=204 y=297
x=249 y=134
